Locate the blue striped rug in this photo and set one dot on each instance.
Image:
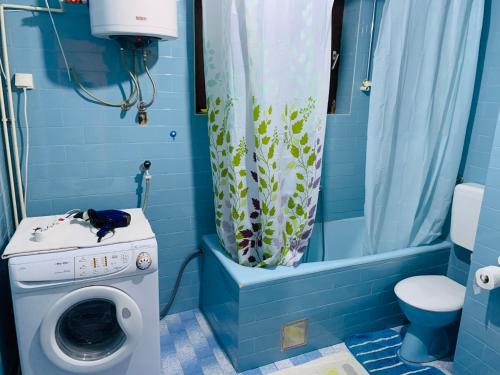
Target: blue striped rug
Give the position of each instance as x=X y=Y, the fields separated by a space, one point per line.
x=378 y=353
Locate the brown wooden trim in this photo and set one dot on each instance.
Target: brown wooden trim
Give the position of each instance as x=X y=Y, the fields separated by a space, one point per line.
x=337 y=21
x=199 y=73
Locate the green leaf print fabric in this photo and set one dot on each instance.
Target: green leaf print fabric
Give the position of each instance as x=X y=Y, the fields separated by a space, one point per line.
x=267 y=68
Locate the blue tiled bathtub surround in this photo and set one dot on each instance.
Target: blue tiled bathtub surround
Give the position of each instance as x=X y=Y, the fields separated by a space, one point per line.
x=245 y=276
x=247 y=307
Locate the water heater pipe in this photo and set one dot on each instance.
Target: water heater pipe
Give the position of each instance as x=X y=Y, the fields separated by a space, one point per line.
x=16 y=166
x=12 y=114
x=8 y=155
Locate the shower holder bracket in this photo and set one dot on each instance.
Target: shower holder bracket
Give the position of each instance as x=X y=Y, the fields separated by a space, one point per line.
x=366 y=85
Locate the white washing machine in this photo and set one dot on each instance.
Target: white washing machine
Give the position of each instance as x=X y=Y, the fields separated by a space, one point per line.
x=91 y=310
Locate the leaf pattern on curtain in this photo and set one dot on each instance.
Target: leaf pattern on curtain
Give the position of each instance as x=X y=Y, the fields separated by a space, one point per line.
x=267 y=101
x=253 y=223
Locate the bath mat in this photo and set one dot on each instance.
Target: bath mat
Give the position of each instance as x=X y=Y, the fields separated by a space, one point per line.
x=342 y=363
x=378 y=353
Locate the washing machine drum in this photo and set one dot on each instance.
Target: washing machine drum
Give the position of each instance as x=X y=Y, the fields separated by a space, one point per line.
x=91 y=329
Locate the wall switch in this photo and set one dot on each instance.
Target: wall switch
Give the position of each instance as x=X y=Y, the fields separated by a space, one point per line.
x=23 y=80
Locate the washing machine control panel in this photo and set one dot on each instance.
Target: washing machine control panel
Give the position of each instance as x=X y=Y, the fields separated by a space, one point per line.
x=88 y=263
x=101 y=264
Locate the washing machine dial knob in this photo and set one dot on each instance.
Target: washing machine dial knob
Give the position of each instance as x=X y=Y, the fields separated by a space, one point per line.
x=143 y=261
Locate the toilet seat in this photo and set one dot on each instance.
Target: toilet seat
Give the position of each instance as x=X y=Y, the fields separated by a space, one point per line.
x=431 y=293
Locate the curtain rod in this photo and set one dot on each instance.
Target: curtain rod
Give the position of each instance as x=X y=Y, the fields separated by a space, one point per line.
x=367 y=83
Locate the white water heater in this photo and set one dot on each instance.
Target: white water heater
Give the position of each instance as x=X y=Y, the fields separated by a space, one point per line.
x=151 y=19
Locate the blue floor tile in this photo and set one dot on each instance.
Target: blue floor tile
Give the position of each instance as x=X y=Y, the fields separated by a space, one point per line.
x=188 y=347
x=300 y=359
x=255 y=371
x=313 y=355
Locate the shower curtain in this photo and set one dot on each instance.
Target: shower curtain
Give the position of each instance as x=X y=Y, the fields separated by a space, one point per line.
x=267 y=69
x=423 y=77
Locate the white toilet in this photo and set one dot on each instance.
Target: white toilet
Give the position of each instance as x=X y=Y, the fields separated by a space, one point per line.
x=431 y=302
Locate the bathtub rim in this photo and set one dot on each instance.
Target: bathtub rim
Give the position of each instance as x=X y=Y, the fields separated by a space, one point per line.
x=248 y=276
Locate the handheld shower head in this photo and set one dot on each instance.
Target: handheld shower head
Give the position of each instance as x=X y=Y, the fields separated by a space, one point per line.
x=147 y=177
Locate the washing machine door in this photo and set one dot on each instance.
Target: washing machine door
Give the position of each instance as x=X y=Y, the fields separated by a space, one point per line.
x=91 y=329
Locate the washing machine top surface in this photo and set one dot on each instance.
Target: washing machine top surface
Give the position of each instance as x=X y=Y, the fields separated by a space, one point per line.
x=63 y=234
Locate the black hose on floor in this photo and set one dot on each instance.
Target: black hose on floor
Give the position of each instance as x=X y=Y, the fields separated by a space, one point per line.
x=167 y=307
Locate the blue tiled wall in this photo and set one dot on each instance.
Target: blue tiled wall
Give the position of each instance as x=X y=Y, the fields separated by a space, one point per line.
x=84 y=155
x=337 y=303
x=478 y=348
x=87 y=156
x=345 y=144
x=486 y=99
x=482 y=122
x=343 y=174
x=459 y=264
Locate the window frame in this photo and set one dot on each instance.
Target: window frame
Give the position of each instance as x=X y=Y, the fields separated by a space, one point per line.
x=199 y=73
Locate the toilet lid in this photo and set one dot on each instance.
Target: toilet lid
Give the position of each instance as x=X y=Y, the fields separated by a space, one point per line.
x=431 y=293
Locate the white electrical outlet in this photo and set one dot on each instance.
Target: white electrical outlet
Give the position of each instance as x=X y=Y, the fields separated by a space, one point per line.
x=23 y=80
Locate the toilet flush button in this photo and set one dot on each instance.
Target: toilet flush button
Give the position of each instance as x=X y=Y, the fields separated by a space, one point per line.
x=143 y=261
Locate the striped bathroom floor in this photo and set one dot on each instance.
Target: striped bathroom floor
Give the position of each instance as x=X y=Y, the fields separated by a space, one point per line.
x=188 y=347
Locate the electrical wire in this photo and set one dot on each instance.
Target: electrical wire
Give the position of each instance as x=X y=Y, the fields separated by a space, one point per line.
x=26 y=145
x=58 y=39
x=135 y=94
x=71 y=212
x=108 y=235
x=124 y=104
x=77 y=80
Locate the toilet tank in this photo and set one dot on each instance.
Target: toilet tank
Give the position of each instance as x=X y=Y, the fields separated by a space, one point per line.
x=465 y=210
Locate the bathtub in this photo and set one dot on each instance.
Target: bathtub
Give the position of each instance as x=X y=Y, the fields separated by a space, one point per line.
x=334 y=293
